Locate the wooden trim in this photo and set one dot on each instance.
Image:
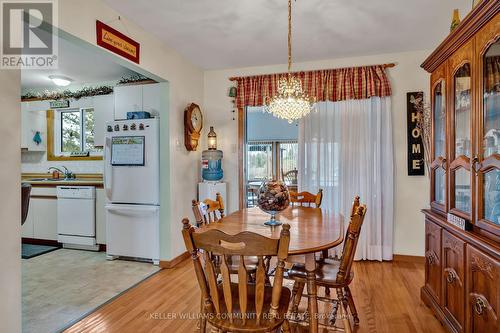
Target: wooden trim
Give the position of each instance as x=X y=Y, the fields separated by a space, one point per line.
x=50 y=144
x=36 y=241
x=93 y=176
x=408 y=258
x=241 y=157
x=388 y=65
x=174 y=262
x=471 y=24
x=43 y=197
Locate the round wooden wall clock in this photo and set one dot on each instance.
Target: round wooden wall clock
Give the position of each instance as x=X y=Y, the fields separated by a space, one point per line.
x=193 y=123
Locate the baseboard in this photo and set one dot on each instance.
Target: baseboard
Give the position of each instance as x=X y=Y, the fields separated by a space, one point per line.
x=37 y=241
x=174 y=262
x=406 y=258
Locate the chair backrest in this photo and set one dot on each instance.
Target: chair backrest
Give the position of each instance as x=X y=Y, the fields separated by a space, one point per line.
x=306 y=198
x=290 y=177
x=351 y=243
x=206 y=211
x=243 y=245
x=25 y=201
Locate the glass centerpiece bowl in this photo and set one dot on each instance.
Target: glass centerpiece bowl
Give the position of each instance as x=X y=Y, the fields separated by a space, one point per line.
x=273 y=197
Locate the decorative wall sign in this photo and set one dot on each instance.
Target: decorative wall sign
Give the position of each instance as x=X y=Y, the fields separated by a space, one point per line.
x=416 y=165
x=59 y=104
x=117 y=42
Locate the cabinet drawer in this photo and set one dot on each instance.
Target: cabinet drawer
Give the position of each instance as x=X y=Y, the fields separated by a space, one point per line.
x=453 y=279
x=482 y=295
x=433 y=260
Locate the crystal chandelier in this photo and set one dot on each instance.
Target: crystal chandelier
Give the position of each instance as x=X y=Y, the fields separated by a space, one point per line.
x=291 y=102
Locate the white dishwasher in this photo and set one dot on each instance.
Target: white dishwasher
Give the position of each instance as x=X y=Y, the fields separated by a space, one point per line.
x=76 y=217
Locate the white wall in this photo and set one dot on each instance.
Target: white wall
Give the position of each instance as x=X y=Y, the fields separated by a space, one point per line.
x=411 y=193
x=10 y=201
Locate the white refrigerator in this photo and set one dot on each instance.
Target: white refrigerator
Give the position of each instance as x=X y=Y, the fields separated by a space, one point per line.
x=132 y=186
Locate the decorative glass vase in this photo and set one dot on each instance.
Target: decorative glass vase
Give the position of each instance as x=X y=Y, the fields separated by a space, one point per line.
x=272 y=198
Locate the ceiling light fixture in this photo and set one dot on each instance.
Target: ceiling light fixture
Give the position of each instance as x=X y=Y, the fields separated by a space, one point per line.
x=60 y=80
x=291 y=102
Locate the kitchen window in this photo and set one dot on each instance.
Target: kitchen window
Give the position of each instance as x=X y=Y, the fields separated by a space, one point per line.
x=73 y=133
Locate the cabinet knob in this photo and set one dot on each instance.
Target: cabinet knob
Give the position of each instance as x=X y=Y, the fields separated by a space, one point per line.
x=480 y=304
x=452 y=276
x=475 y=165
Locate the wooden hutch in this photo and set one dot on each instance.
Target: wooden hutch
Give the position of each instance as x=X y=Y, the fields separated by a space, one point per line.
x=462 y=227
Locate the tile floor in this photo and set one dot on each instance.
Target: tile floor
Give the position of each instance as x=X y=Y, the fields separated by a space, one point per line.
x=62 y=286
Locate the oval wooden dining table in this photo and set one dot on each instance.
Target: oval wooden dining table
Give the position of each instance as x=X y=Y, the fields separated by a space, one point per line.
x=311 y=230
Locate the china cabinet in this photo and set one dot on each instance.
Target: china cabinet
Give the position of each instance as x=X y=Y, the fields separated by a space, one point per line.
x=462 y=231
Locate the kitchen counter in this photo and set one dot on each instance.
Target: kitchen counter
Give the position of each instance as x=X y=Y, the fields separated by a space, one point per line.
x=45 y=180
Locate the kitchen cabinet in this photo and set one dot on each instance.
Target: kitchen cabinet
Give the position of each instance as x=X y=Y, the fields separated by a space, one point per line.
x=27 y=227
x=151 y=99
x=45 y=218
x=137 y=97
x=33 y=120
x=103 y=112
x=100 y=216
x=127 y=99
x=433 y=260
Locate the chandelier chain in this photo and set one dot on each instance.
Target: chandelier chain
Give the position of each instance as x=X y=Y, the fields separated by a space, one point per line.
x=289 y=36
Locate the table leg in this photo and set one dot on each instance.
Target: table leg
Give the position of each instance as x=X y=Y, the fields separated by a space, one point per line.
x=311 y=292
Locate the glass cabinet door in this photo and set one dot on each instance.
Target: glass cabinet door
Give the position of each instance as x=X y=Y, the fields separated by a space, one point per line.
x=489 y=166
x=460 y=166
x=439 y=144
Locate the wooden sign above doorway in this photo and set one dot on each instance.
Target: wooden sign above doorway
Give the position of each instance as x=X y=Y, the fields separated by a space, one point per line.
x=117 y=42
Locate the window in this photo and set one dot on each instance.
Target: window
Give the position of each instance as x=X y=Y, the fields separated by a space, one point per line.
x=74 y=132
x=259 y=160
x=268 y=159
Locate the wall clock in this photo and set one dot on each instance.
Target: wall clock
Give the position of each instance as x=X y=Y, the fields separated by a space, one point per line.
x=193 y=123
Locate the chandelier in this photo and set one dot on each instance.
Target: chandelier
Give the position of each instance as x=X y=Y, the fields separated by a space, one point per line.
x=291 y=102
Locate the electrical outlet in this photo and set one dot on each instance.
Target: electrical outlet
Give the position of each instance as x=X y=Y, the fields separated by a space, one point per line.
x=234 y=148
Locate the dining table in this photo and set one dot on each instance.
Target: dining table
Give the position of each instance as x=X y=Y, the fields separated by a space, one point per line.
x=311 y=231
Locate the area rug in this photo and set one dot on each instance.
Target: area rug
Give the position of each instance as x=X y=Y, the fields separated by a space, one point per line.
x=32 y=250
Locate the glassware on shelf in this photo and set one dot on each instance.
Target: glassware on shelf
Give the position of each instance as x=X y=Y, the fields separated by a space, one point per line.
x=491 y=202
x=462 y=190
x=491 y=101
x=462 y=110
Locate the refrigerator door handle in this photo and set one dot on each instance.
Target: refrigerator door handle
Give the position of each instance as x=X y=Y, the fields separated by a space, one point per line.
x=132 y=211
x=108 y=175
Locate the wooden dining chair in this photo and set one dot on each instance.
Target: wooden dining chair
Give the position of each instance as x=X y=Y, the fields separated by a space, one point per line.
x=206 y=211
x=290 y=177
x=306 y=199
x=242 y=306
x=334 y=274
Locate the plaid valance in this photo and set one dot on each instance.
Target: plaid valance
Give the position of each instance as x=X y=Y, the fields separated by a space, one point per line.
x=324 y=85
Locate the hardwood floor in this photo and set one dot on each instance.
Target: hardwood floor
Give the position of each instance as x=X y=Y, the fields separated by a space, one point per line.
x=387 y=296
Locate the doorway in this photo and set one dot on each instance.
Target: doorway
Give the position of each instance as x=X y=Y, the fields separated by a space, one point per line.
x=270 y=152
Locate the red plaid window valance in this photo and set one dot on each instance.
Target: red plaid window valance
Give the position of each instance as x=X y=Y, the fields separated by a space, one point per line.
x=324 y=85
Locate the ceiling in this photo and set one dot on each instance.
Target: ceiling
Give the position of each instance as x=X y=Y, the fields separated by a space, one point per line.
x=83 y=65
x=216 y=34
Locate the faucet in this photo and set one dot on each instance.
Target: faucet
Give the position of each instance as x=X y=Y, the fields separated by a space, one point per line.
x=67 y=174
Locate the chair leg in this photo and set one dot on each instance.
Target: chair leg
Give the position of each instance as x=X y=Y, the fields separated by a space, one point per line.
x=203 y=320
x=343 y=310
x=298 y=289
x=333 y=314
x=286 y=326
x=352 y=307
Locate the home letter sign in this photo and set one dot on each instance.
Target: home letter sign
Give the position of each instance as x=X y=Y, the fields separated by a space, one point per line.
x=416 y=165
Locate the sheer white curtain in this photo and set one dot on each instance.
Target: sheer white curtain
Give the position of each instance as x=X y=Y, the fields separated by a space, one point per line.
x=345 y=148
